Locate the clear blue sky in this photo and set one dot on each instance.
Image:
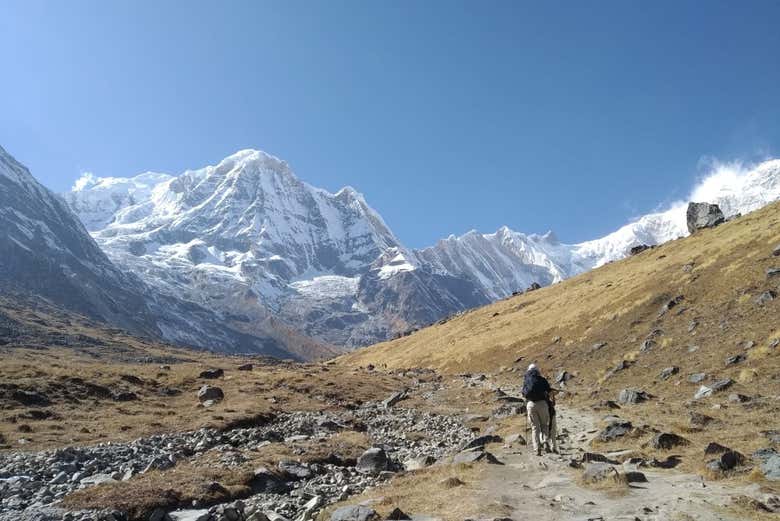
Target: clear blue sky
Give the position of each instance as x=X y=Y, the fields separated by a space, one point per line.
x=448 y=115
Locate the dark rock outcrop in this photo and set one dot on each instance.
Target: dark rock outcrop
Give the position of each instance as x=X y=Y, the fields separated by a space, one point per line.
x=703 y=215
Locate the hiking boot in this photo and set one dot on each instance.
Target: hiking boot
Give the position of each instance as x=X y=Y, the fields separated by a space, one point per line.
x=547 y=448
x=539 y=451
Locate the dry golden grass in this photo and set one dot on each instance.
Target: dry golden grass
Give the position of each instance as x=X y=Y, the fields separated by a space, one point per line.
x=82 y=418
x=178 y=486
x=206 y=481
x=444 y=492
x=718 y=272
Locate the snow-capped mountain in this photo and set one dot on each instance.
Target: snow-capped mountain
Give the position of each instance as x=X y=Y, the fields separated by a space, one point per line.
x=248 y=239
x=507 y=261
x=47 y=252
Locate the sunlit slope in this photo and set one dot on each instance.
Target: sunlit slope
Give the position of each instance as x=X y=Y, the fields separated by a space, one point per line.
x=718 y=273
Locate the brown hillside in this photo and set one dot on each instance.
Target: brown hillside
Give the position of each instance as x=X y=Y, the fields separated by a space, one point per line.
x=718 y=272
x=603 y=317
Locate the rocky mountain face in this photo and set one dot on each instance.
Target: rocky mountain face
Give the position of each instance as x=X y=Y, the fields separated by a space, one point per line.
x=48 y=252
x=249 y=240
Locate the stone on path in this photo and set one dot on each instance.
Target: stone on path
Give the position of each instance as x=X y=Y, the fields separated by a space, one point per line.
x=615 y=429
x=475 y=455
x=481 y=441
x=354 y=513
x=599 y=471
x=373 y=461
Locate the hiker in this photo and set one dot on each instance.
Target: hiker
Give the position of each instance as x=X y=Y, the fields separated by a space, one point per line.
x=536 y=390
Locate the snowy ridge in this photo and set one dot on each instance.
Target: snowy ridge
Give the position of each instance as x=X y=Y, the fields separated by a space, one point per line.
x=247 y=236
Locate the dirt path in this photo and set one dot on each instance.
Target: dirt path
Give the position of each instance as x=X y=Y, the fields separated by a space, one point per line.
x=545 y=487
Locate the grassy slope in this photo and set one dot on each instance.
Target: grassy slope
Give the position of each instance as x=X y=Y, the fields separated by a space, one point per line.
x=620 y=304
x=107 y=357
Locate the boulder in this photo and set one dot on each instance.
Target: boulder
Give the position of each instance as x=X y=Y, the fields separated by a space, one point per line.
x=776 y=251
x=769 y=463
x=632 y=396
x=475 y=455
x=354 y=513
x=735 y=359
x=481 y=441
x=667 y=440
x=594 y=457
x=703 y=215
x=210 y=393
x=705 y=391
x=30 y=397
x=419 y=462
x=515 y=438
x=563 y=377
x=634 y=476
x=598 y=471
x=730 y=459
x=398 y=515
x=668 y=372
x=636 y=250
x=715 y=448
x=373 y=461
x=246 y=367
x=210 y=374
x=615 y=429
x=125 y=396
x=394 y=399
x=738 y=398
x=772 y=272
x=265 y=481
x=697 y=378
x=294 y=469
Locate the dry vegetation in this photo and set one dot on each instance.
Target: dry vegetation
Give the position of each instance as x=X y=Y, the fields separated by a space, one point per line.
x=718 y=272
x=163 y=378
x=441 y=491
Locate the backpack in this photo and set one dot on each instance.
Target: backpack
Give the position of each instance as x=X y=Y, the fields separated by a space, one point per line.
x=535 y=387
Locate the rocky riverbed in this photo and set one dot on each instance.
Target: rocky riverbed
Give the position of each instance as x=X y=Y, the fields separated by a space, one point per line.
x=33 y=484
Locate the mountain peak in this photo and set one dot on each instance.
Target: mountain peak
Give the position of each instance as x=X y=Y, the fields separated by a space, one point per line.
x=256 y=160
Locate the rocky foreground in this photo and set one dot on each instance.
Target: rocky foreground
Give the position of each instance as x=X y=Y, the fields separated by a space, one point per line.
x=32 y=485
x=608 y=467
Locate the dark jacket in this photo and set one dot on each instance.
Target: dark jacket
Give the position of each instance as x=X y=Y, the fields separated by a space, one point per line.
x=535 y=386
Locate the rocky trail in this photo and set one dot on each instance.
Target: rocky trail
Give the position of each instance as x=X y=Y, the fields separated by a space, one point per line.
x=505 y=480
x=548 y=487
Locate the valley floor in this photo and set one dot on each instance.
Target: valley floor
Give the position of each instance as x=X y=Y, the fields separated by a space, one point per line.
x=280 y=448
x=521 y=485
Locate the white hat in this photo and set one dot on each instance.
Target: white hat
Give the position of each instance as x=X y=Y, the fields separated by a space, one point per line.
x=532 y=367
